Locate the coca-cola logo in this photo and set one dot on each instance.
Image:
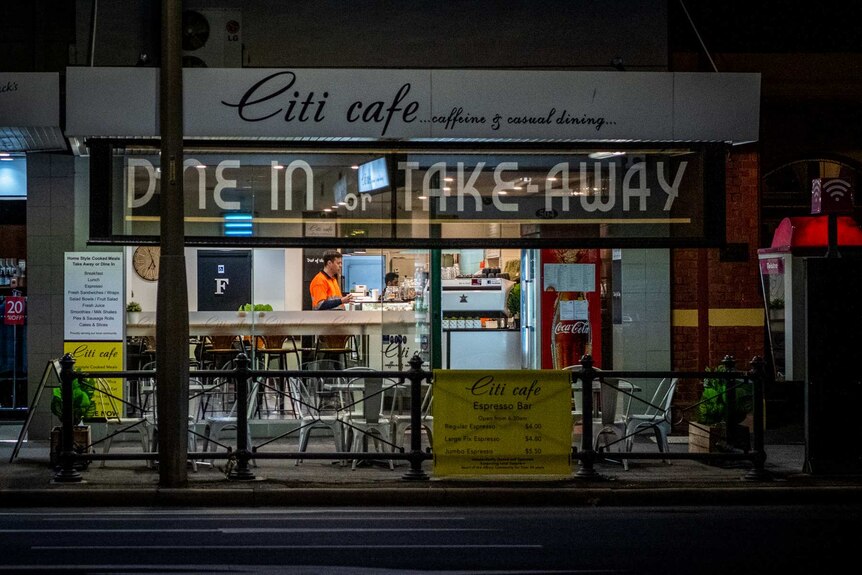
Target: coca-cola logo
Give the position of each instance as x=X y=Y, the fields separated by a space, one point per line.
x=574 y=327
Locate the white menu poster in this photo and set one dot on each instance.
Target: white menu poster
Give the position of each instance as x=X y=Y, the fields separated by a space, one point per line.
x=570 y=277
x=93 y=296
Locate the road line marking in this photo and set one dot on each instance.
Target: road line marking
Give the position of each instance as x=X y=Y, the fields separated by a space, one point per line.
x=252 y=530
x=263 y=547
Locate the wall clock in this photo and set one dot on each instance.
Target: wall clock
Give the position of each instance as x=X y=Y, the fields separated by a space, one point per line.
x=146 y=262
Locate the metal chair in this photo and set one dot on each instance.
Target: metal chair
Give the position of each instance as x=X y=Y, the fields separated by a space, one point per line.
x=364 y=411
x=315 y=409
x=216 y=424
x=117 y=423
x=401 y=417
x=610 y=429
x=220 y=349
x=341 y=348
x=656 y=418
x=276 y=348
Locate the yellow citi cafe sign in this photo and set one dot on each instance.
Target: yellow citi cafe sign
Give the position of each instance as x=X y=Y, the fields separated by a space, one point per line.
x=502 y=423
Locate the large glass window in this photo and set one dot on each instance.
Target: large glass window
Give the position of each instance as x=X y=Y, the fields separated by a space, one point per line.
x=414 y=199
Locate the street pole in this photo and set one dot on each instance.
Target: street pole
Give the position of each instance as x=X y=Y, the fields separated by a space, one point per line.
x=172 y=309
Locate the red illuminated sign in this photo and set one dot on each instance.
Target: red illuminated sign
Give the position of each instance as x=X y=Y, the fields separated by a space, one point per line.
x=15 y=310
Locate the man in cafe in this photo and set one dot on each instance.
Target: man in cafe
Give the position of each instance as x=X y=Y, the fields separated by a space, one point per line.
x=325 y=288
x=326 y=294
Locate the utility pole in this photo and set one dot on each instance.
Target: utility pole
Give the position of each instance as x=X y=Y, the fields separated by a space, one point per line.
x=172 y=309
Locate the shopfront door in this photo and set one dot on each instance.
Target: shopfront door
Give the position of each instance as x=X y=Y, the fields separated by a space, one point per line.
x=224 y=279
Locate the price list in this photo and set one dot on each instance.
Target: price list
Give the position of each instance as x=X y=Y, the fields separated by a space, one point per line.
x=502 y=423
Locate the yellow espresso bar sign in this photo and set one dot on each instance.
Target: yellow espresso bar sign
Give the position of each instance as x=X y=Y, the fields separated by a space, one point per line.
x=101 y=356
x=502 y=422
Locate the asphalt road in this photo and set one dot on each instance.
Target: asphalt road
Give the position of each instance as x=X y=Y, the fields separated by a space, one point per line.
x=786 y=539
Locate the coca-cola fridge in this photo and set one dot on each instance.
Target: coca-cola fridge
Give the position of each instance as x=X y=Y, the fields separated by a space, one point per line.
x=569 y=315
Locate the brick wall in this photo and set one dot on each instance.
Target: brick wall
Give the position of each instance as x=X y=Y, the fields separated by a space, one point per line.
x=724 y=316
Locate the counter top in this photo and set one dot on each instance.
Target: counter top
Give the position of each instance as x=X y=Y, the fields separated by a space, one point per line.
x=282 y=322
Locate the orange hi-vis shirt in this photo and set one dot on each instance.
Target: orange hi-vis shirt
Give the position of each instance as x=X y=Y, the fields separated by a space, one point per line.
x=322 y=288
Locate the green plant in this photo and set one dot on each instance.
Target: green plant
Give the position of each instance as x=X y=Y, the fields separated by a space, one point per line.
x=776 y=303
x=712 y=408
x=256 y=307
x=83 y=390
x=133 y=306
x=513 y=300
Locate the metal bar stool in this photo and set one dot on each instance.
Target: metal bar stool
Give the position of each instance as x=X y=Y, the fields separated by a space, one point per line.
x=278 y=347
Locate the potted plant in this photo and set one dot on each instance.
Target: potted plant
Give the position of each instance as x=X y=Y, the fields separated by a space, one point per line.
x=83 y=390
x=259 y=307
x=717 y=428
x=133 y=312
x=513 y=304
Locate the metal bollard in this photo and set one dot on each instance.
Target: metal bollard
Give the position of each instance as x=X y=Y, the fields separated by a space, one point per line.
x=67 y=472
x=415 y=376
x=756 y=374
x=588 y=457
x=242 y=472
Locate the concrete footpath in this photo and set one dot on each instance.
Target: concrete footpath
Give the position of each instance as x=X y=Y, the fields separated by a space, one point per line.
x=28 y=481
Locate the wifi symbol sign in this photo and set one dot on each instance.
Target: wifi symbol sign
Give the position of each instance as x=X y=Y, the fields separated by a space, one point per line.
x=832 y=196
x=835 y=188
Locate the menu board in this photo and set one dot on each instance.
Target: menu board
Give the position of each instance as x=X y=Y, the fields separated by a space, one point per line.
x=570 y=277
x=94 y=296
x=500 y=422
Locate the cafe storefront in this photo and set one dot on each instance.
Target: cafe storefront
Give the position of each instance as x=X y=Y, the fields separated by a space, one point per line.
x=574 y=186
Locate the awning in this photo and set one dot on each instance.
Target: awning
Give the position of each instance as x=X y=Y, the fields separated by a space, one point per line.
x=420 y=105
x=802 y=232
x=30 y=112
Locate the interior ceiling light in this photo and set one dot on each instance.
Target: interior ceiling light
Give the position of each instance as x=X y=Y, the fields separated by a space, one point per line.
x=605 y=155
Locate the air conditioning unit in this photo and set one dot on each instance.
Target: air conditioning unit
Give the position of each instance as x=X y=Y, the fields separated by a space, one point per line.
x=212 y=38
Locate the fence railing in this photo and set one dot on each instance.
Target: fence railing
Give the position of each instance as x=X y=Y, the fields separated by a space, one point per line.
x=240 y=455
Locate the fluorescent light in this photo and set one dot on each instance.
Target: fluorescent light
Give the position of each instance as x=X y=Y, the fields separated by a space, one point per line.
x=605 y=155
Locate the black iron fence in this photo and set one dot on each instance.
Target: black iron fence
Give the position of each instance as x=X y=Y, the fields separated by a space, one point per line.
x=247 y=383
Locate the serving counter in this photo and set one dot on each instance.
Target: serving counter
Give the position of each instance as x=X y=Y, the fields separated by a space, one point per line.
x=283 y=322
x=374 y=328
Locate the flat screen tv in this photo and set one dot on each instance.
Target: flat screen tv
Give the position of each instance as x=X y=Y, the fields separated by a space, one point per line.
x=373 y=175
